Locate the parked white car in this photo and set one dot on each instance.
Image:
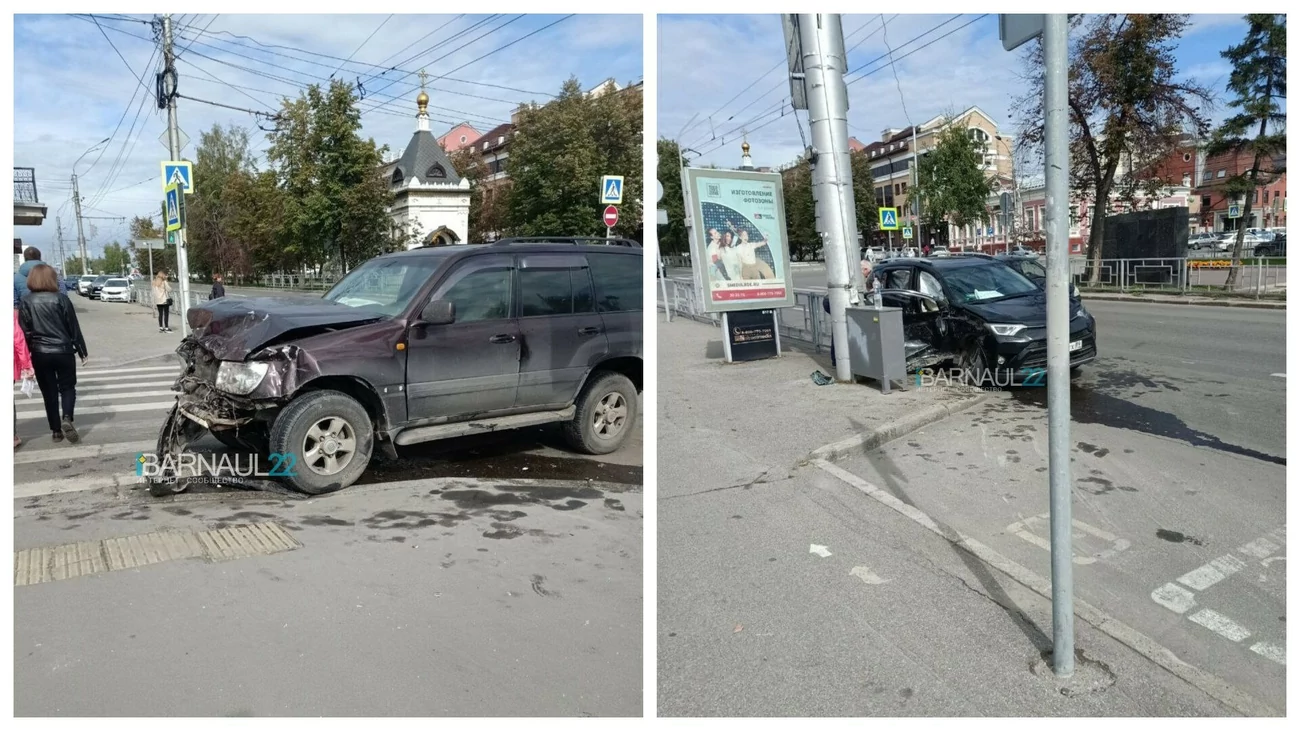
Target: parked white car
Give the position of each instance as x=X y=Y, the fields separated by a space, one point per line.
x=116 y=290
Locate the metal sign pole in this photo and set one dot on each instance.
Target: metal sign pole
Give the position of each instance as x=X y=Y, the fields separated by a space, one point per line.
x=726 y=338
x=1057 y=148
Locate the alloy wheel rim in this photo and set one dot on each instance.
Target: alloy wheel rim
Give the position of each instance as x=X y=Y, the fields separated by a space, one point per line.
x=610 y=415
x=329 y=446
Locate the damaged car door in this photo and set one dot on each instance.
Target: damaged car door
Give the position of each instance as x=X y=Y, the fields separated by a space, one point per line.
x=462 y=355
x=562 y=335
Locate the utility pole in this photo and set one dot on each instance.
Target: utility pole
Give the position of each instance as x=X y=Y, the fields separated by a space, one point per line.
x=81 y=231
x=58 y=228
x=821 y=39
x=174 y=149
x=1057 y=148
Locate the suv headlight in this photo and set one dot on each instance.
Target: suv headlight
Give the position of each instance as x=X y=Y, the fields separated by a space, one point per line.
x=240 y=378
x=1007 y=331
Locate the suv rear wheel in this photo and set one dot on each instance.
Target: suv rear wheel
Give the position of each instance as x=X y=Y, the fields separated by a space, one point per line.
x=606 y=411
x=330 y=438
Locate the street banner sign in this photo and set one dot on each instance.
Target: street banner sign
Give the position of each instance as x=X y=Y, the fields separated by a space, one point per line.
x=178 y=172
x=888 y=219
x=907 y=232
x=610 y=217
x=172 y=205
x=151 y=244
x=739 y=249
x=989 y=232
x=1017 y=29
x=611 y=190
x=1234 y=211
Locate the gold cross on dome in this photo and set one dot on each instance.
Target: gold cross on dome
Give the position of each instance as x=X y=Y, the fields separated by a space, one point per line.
x=423 y=76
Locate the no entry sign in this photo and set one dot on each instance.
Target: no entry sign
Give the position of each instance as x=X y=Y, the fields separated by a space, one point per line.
x=611 y=216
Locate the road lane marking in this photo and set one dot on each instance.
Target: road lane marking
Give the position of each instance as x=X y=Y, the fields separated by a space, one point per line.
x=71 y=560
x=39 y=406
x=94 y=388
x=84 y=379
x=1220 y=625
x=1261 y=547
x=24 y=415
x=867 y=575
x=819 y=550
x=63 y=485
x=1174 y=597
x=1276 y=653
x=1212 y=685
x=88 y=451
x=1212 y=573
x=1278 y=375
x=1021 y=528
x=115 y=371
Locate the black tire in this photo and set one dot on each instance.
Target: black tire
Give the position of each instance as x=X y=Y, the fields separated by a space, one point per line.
x=974 y=364
x=289 y=436
x=175 y=429
x=605 y=393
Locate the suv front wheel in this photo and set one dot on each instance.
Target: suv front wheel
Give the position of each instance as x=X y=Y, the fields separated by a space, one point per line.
x=606 y=411
x=330 y=438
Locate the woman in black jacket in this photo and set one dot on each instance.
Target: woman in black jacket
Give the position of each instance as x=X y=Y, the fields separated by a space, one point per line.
x=54 y=337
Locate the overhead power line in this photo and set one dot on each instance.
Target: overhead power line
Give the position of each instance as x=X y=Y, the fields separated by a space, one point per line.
x=363 y=44
x=910 y=42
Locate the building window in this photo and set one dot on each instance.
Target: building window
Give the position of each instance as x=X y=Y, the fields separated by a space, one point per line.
x=1187 y=157
x=463 y=139
x=1221 y=173
x=436 y=171
x=397 y=178
x=1206 y=202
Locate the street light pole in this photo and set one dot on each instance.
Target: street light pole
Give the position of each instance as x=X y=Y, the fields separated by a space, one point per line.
x=174 y=150
x=76 y=203
x=1057 y=148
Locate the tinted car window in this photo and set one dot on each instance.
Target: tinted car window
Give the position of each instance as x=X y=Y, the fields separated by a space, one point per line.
x=583 y=298
x=1031 y=268
x=115 y=283
x=929 y=285
x=545 y=292
x=481 y=294
x=618 y=282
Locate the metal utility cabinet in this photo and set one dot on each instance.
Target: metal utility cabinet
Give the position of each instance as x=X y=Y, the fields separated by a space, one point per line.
x=876 y=344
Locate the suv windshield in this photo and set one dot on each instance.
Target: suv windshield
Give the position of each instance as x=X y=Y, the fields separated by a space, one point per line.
x=1031 y=268
x=987 y=281
x=385 y=286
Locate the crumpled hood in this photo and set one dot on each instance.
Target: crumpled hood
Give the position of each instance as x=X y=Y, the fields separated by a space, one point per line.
x=1030 y=310
x=233 y=328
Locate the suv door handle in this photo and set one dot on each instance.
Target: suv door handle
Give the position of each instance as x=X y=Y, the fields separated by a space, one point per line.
x=588 y=331
x=501 y=339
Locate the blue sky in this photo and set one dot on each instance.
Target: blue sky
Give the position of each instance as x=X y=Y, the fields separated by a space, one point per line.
x=705 y=61
x=71 y=88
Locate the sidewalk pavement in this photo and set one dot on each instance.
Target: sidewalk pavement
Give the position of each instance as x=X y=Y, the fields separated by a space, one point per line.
x=1178 y=299
x=119 y=334
x=785 y=591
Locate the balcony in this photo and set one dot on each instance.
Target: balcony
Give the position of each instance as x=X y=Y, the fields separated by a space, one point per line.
x=28 y=208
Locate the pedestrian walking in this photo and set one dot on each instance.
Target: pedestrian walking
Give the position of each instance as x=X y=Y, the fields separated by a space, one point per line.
x=31 y=259
x=218 y=289
x=162 y=298
x=22 y=369
x=53 y=335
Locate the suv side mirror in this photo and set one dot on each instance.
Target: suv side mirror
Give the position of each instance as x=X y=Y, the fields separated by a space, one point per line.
x=439 y=312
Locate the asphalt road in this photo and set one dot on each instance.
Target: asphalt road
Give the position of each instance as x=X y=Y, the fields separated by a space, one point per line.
x=502 y=570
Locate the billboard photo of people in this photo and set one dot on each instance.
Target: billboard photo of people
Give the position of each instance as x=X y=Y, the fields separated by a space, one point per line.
x=741 y=239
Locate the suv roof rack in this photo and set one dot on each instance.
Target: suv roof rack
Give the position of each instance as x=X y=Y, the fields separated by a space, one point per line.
x=575 y=240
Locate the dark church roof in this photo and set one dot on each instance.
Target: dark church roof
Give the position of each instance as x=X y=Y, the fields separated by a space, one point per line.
x=422 y=155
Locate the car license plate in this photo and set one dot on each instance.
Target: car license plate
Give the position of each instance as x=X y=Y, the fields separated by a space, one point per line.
x=1076 y=345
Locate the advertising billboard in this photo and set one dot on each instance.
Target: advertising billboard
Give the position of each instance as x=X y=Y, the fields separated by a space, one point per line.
x=738 y=241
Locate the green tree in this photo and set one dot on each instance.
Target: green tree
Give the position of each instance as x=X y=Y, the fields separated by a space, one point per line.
x=864 y=196
x=558 y=155
x=225 y=165
x=952 y=185
x=1258 y=81
x=1126 y=104
x=800 y=213
x=334 y=202
x=486 y=197
x=673 y=236
x=117 y=259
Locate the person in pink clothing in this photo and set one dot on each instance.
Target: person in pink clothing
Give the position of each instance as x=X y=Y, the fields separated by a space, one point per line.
x=22 y=369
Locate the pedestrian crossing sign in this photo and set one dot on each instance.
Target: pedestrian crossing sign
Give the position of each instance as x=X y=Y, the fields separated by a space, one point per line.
x=611 y=190
x=172 y=205
x=178 y=172
x=888 y=219
x=1234 y=211
x=907 y=232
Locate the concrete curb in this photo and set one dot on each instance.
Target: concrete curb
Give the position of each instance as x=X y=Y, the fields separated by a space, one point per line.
x=1248 y=304
x=866 y=441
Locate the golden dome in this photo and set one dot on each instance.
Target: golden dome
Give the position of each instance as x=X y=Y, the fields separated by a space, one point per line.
x=422 y=101
x=744 y=147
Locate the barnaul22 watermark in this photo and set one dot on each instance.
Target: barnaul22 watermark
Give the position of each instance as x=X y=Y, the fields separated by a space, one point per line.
x=203 y=467
x=988 y=379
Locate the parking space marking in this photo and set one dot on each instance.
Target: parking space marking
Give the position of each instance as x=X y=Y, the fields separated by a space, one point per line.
x=1174 y=597
x=1021 y=528
x=1212 y=573
x=1276 y=653
x=1221 y=625
x=1259 y=548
